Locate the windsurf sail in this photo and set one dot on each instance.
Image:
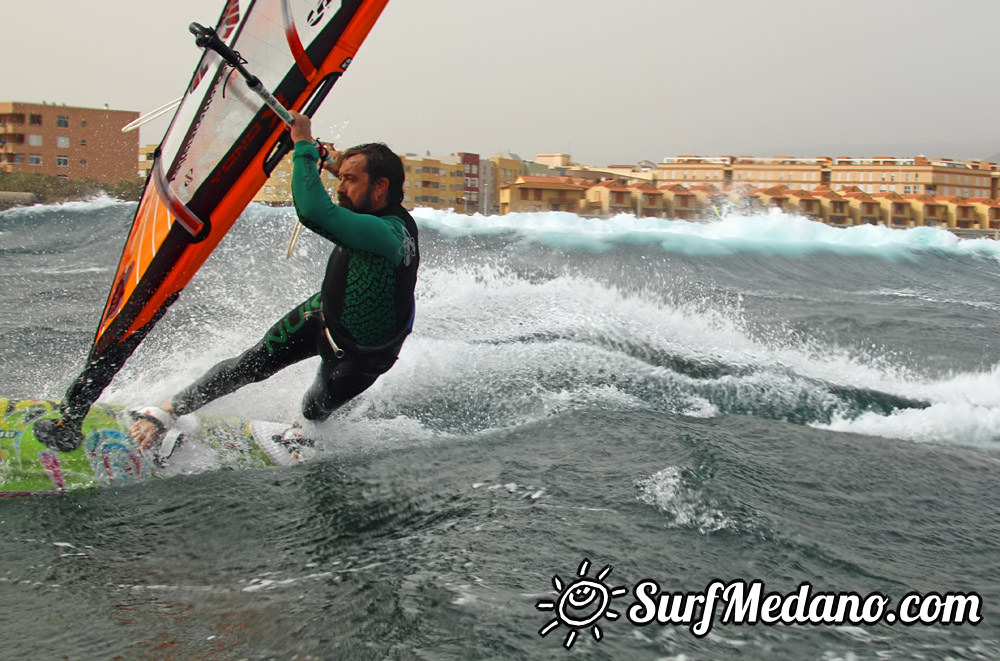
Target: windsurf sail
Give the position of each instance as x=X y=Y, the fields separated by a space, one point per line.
x=218 y=151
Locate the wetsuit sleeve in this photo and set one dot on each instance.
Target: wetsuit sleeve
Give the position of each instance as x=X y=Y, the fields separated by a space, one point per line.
x=382 y=236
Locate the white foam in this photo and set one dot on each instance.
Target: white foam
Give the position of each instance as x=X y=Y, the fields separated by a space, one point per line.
x=774 y=232
x=964 y=410
x=684 y=505
x=500 y=349
x=96 y=203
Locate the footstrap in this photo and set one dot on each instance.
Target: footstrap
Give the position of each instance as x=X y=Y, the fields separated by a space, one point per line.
x=171 y=441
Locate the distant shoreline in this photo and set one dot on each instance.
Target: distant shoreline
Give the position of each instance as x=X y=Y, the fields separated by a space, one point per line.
x=13 y=199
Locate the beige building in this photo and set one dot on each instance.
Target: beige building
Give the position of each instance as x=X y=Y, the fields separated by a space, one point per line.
x=436 y=182
x=529 y=193
x=277 y=190
x=647 y=200
x=506 y=169
x=609 y=198
x=68 y=142
x=555 y=160
x=679 y=202
x=906 y=176
x=146 y=155
x=797 y=173
x=915 y=176
x=695 y=170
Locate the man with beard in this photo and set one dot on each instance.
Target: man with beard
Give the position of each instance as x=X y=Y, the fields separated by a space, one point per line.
x=357 y=322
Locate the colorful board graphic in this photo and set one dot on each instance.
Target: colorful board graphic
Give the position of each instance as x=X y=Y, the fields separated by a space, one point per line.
x=107 y=455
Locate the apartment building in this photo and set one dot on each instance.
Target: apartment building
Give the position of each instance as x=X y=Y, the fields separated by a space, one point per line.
x=915 y=176
x=695 y=170
x=68 y=142
x=472 y=189
x=797 y=173
x=906 y=176
x=437 y=182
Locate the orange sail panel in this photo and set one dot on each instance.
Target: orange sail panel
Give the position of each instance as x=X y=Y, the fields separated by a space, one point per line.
x=221 y=145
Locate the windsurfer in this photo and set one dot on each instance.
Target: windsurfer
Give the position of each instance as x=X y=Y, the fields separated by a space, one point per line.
x=359 y=319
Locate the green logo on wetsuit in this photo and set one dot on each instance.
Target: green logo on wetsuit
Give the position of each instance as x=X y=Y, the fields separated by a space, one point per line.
x=284 y=329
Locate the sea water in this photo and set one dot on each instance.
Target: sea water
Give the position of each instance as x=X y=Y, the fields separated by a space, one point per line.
x=586 y=408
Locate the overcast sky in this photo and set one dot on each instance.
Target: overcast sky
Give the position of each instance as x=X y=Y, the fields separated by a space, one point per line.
x=609 y=81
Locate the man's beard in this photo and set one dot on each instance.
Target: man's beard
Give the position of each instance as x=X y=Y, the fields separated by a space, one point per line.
x=365 y=205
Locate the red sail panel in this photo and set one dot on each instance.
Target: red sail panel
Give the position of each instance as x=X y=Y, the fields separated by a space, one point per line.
x=211 y=162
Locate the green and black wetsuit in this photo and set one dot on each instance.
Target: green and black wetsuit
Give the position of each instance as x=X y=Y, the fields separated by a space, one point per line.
x=357 y=322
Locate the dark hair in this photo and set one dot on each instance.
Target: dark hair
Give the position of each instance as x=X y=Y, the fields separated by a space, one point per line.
x=381 y=163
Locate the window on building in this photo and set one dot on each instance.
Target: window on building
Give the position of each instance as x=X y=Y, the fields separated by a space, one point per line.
x=524 y=193
x=18 y=159
x=34 y=140
x=35 y=120
x=83 y=161
x=83 y=122
x=538 y=194
x=62 y=141
x=34 y=159
x=62 y=161
x=62 y=121
x=83 y=143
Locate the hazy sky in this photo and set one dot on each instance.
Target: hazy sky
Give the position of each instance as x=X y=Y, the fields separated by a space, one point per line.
x=610 y=81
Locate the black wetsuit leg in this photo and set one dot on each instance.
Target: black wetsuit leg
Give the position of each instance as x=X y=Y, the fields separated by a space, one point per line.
x=337 y=382
x=292 y=339
x=296 y=336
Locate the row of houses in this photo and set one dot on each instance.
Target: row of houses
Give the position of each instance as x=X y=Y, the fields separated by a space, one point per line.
x=464 y=181
x=848 y=206
x=76 y=142
x=887 y=174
